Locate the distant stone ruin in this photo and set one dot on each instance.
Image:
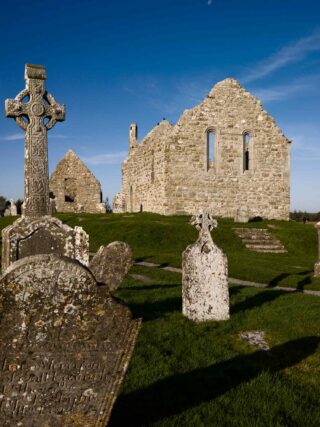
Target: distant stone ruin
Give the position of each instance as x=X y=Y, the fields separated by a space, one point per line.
x=224 y=153
x=11 y=209
x=74 y=188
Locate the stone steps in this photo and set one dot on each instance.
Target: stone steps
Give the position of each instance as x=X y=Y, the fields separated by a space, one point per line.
x=260 y=240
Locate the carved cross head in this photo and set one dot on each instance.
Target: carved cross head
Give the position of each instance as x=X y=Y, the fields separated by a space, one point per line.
x=39 y=105
x=204 y=222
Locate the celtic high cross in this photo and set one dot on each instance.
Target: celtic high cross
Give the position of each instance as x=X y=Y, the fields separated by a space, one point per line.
x=31 y=116
x=204 y=223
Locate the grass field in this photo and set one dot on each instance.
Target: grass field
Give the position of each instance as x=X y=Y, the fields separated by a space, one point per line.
x=187 y=374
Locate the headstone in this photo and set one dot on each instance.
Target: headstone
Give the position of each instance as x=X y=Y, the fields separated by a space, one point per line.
x=242 y=215
x=317 y=264
x=36 y=232
x=205 y=294
x=111 y=264
x=65 y=344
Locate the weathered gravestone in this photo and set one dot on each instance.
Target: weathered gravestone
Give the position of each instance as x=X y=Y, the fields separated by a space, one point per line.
x=242 y=215
x=317 y=264
x=111 y=264
x=65 y=344
x=205 y=294
x=37 y=232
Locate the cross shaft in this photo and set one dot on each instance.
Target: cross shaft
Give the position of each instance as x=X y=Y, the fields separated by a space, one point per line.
x=30 y=117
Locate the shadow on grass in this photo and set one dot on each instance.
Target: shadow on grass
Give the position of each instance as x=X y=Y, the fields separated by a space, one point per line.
x=275 y=282
x=256 y=301
x=300 y=284
x=143 y=258
x=147 y=287
x=234 y=290
x=156 y=309
x=177 y=393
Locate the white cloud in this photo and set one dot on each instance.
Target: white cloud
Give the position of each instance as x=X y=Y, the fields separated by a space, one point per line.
x=289 y=54
x=209 y=2
x=308 y=84
x=21 y=136
x=12 y=137
x=106 y=158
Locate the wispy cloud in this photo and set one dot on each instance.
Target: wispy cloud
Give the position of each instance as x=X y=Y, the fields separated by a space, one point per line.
x=106 y=158
x=20 y=136
x=209 y=2
x=289 y=54
x=12 y=137
x=292 y=88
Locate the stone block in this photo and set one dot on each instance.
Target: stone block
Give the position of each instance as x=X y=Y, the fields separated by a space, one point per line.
x=111 y=264
x=242 y=215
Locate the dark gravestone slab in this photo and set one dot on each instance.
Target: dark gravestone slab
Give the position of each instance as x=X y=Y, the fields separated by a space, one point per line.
x=45 y=235
x=65 y=344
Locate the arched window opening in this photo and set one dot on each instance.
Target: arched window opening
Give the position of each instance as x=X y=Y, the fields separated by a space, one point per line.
x=210 y=147
x=246 y=151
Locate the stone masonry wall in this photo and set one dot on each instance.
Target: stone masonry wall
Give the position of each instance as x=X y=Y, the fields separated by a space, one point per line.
x=187 y=181
x=144 y=173
x=74 y=187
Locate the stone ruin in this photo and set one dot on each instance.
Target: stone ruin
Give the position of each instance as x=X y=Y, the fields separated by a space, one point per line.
x=74 y=188
x=317 y=264
x=223 y=153
x=11 y=210
x=65 y=342
x=205 y=293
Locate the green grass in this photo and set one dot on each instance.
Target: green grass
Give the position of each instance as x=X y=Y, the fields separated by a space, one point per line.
x=187 y=374
x=162 y=239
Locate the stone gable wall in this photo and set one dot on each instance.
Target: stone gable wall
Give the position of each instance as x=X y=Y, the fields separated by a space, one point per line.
x=187 y=183
x=73 y=178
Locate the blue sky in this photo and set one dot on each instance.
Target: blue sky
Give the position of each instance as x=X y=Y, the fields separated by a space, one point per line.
x=112 y=63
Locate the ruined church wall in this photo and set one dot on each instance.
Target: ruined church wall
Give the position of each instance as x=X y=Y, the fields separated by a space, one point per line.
x=229 y=111
x=184 y=180
x=144 y=175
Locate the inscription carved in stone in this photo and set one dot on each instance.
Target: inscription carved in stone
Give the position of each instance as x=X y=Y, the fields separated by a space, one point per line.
x=64 y=345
